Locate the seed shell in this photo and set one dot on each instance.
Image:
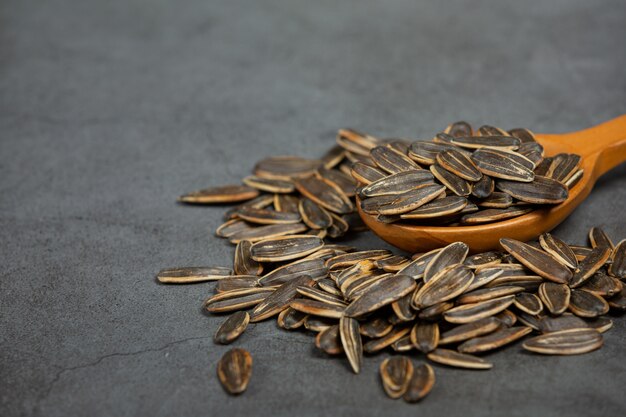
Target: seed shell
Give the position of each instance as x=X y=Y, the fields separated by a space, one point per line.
x=458 y=360
x=590 y=265
x=381 y=295
x=325 y=193
x=494 y=340
x=425 y=336
x=220 y=195
x=559 y=249
x=285 y=248
x=468 y=313
x=537 y=260
x=587 y=304
x=396 y=373
x=279 y=299
x=541 y=190
x=555 y=297
x=453 y=182
x=470 y=330
x=351 y=342
x=565 y=342
x=421 y=383
x=234 y=370
x=193 y=274
x=232 y=328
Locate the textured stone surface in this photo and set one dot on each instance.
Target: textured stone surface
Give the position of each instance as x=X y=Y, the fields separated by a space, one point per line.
x=110 y=109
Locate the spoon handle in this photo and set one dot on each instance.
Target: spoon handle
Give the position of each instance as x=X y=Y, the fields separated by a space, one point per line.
x=604 y=143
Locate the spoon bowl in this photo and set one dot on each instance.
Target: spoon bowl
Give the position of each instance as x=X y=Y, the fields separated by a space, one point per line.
x=601 y=148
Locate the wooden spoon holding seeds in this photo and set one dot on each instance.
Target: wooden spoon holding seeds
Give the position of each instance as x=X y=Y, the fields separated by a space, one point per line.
x=601 y=147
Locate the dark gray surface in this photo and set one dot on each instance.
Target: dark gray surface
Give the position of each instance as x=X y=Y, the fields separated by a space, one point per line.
x=110 y=109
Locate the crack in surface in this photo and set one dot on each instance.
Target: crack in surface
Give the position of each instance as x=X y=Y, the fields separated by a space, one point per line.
x=64 y=370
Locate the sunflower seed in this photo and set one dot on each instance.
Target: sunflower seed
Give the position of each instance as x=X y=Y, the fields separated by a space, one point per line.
x=447 y=284
x=318 y=324
x=443 y=138
x=313 y=215
x=392 y=264
x=355 y=141
x=425 y=336
x=524 y=135
x=532 y=151
x=325 y=193
x=459 y=129
x=453 y=182
x=467 y=313
x=528 y=303
x=376 y=345
x=484 y=276
x=232 y=328
x=479 y=142
x=587 y=304
x=402 y=203
x=437 y=208
x=566 y=321
x=470 y=330
x=329 y=341
x=349 y=259
x=541 y=191
x=496 y=200
x=366 y=174
x=486 y=130
x=618 y=258
x=269 y=185
x=417 y=267
x=555 y=297
x=333 y=157
x=392 y=161
x=286 y=167
x=603 y=285
x=351 y=342
x=484 y=294
x=492 y=215
x=574 y=179
x=317 y=308
x=285 y=203
x=421 y=383
x=312 y=267
x=232 y=227
x=425 y=152
x=234 y=370
x=375 y=328
x=483 y=187
x=458 y=360
x=452 y=254
x=237 y=282
x=590 y=265
x=271 y=231
x=505 y=165
x=397 y=183
x=243 y=262
x=536 y=260
x=290 y=319
x=618 y=301
x=599 y=238
x=402 y=308
x=601 y=324
x=323 y=296
x=563 y=166
x=396 y=373
x=279 y=299
x=565 y=342
x=381 y=295
x=483 y=260
x=285 y=248
x=343 y=181
x=434 y=312
x=193 y=274
x=559 y=249
x=220 y=195
x=264 y=216
x=459 y=164
x=494 y=340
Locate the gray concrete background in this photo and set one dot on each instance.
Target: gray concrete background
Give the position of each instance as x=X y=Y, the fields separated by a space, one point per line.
x=110 y=109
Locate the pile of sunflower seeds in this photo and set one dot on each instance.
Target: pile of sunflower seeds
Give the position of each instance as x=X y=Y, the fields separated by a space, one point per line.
x=446 y=304
x=465 y=168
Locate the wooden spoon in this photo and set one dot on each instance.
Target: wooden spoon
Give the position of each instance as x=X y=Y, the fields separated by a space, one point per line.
x=601 y=147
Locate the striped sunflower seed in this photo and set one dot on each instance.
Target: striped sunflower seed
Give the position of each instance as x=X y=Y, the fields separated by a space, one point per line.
x=453 y=182
x=494 y=340
x=468 y=313
x=452 y=254
x=351 y=342
x=232 y=328
x=314 y=215
x=396 y=373
x=470 y=330
x=329 y=341
x=243 y=263
x=618 y=258
x=271 y=231
x=587 y=304
x=559 y=249
x=397 y=183
x=505 y=165
x=392 y=161
x=599 y=238
x=380 y=295
x=493 y=142
x=445 y=285
x=536 y=260
x=280 y=299
x=220 y=195
x=325 y=193
x=565 y=342
x=421 y=383
x=264 y=216
x=402 y=203
x=290 y=319
x=285 y=248
x=286 y=167
x=317 y=308
x=590 y=265
x=459 y=164
x=555 y=297
x=425 y=336
x=437 y=208
x=193 y=274
x=483 y=187
x=458 y=360
x=459 y=129
x=366 y=174
x=528 y=303
x=542 y=190
x=269 y=185
x=234 y=370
